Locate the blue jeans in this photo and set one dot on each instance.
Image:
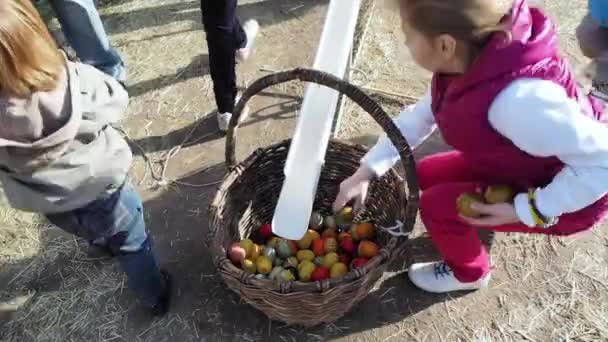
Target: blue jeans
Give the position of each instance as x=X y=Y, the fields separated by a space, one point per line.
x=84 y=31
x=599 y=11
x=116 y=222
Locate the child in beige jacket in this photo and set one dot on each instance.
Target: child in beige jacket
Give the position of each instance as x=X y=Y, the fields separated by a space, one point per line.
x=60 y=156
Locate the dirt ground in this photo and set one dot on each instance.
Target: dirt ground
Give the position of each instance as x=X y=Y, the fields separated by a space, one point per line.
x=53 y=290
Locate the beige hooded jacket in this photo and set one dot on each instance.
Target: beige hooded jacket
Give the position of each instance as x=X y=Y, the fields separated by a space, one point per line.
x=58 y=151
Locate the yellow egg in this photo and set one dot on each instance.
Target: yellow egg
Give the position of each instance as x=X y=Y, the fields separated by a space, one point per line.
x=495 y=194
x=247 y=246
x=464 y=202
x=305 y=270
x=272 y=242
x=330 y=259
x=263 y=265
x=305 y=254
x=256 y=250
x=304 y=263
x=313 y=234
x=291 y=262
x=344 y=218
x=286 y=275
x=249 y=266
x=305 y=242
x=338 y=270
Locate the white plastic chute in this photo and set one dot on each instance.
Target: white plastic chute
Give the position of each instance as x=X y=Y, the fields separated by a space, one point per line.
x=313 y=130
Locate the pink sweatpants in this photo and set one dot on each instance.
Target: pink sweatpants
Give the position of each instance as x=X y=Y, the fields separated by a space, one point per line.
x=443 y=177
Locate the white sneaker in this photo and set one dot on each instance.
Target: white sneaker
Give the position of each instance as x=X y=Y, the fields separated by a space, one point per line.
x=223 y=119
x=437 y=277
x=251 y=28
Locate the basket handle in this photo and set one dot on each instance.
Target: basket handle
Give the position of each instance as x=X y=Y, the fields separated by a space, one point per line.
x=357 y=96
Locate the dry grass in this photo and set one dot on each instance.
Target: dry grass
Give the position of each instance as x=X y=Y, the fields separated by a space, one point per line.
x=78 y=308
x=541 y=294
x=68 y=295
x=19 y=237
x=380 y=70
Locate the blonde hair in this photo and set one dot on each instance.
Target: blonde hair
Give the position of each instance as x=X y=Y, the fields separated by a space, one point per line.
x=470 y=21
x=29 y=58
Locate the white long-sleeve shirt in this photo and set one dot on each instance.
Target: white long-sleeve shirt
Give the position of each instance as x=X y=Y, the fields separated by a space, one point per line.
x=541 y=120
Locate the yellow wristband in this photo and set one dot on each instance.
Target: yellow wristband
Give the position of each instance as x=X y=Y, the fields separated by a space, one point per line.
x=537 y=219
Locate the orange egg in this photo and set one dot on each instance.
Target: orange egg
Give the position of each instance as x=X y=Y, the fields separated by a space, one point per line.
x=365 y=231
x=368 y=249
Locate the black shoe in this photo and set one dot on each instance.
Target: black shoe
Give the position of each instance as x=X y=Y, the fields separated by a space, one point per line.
x=164 y=302
x=98 y=252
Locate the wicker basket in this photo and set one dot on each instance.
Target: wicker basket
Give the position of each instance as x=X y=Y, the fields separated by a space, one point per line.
x=249 y=193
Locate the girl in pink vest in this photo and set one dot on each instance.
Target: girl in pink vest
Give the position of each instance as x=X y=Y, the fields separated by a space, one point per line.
x=507 y=102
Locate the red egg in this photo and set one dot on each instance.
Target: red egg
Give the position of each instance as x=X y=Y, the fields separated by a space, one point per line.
x=318 y=247
x=265 y=231
x=347 y=245
x=358 y=263
x=320 y=273
x=344 y=258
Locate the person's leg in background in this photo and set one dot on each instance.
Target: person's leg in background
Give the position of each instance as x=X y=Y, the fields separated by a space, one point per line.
x=592 y=35
x=226 y=40
x=116 y=221
x=84 y=31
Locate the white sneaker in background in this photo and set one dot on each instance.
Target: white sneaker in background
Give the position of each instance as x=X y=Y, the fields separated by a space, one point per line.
x=251 y=28
x=223 y=119
x=437 y=277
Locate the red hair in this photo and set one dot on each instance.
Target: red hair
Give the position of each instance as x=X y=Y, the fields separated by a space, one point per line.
x=29 y=58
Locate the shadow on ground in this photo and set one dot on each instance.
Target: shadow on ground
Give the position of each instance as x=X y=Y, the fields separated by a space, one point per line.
x=206 y=129
x=155 y=16
x=199 y=66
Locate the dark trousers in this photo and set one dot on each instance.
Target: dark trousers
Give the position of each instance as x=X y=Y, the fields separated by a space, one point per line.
x=224 y=36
